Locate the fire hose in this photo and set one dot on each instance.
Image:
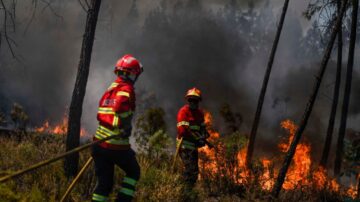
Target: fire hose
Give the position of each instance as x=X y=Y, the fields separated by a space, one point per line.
x=46 y=162
x=76 y=179
x=176 y=154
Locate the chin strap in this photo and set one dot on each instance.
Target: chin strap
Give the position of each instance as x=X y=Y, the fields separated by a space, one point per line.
x=127 y=78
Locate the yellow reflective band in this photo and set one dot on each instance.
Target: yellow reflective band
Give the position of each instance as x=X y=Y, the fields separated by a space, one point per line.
x=111 y=132
x=194 y=127
x=98 y=197
x=119 y=141
x=188 y=145
x=98 y=136
x=102 y=133
x=129 y=181
x=101 y=112
x=183 y=123
x=125 y=114
x=113 y=85
x=127 y=191
x=105 y=110
x=115 y=121
x=105 y=132
x=123 y=93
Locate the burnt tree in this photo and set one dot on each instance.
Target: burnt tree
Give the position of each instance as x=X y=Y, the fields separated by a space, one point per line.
x=75 y=111
x=330 y=129
x=345 y=106
x=250 y=148
x=290 y=154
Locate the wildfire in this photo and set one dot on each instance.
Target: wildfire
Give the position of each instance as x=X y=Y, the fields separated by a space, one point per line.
x=267 y=182
x=352 y=191
x=299 y=173
x=242 y=171
x=59 y=129
x=320 y=178
x=211 y=163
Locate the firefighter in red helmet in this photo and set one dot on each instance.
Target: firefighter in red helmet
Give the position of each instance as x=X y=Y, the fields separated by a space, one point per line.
x=191 y=134
x=116 y=108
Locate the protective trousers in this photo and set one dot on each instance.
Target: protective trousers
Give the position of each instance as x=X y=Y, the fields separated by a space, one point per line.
x=105 y=159
x=189 y=158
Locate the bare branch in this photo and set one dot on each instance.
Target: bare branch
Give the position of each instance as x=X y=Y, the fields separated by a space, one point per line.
x=48 y=5
x=83 y=6
x=87 y=3
x=7 y=38
x=34 y=2
x=13 y=13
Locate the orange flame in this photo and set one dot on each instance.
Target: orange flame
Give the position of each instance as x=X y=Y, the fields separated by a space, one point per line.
x=320 y=178
x=241 y=170
x=267 y=182
x=43 y=128
x=298 y=175
x=59 y=129
x=210 y=166
x=352 y=191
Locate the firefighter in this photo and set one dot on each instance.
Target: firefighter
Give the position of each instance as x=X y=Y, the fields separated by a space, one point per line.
x=116 y=108
x=192 y=134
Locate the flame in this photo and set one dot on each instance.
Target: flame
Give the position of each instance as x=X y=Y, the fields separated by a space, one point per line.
x=320 y=178
x=43 y=128
x=352 y=191
x=266 y=181
x=59 y=129
x=214 y=161
x=210 y=165
x=299 y=173
x=242 y=171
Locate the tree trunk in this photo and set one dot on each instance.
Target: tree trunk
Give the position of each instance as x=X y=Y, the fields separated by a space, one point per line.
x=250 y=148
x=282 y=173
x=345 y=106
x=75 y=111
x=330 y=129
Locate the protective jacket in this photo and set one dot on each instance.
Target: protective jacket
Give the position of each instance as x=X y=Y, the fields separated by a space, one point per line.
x=190 y=123
x=115 y=112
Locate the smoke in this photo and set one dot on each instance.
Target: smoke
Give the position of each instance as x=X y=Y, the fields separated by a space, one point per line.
x=221 y=48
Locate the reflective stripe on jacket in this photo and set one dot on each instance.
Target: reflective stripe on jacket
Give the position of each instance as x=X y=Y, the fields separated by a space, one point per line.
x=116 y=104
x=189 y=121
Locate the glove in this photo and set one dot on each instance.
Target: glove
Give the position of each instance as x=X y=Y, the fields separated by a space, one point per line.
x=200 y=142
x=127 y=127
x=127 y=132
x=204 y=132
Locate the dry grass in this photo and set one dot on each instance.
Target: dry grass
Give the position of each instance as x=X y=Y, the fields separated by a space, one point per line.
x=157 y=182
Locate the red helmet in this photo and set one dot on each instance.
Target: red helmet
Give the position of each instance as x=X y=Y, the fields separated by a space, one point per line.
x=129 y=64
x=193 y=93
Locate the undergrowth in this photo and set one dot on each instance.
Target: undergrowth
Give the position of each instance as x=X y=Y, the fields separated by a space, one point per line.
x=157 y=183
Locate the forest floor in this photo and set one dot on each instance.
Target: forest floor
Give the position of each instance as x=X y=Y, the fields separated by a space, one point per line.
x=157 y=183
